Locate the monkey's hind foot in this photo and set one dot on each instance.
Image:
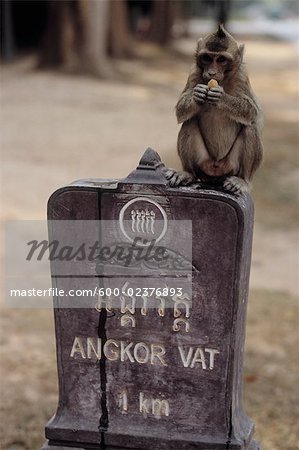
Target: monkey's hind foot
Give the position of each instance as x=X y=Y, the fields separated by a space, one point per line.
x=176 y=179
x=236 y=185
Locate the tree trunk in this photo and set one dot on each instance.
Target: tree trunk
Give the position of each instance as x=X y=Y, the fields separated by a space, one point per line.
x=76 y=36
x=95 y=40
x=120 y=43
x=162 y=21
x=62 y=45
x=8 y=48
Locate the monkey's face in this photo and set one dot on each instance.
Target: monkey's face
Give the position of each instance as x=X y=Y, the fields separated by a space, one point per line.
x=214 y=65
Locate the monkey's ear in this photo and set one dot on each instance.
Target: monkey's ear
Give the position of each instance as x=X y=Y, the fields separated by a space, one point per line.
x=241 y=51
x=198 y=45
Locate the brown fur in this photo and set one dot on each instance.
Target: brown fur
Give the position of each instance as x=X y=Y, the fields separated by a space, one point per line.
x=221 y=138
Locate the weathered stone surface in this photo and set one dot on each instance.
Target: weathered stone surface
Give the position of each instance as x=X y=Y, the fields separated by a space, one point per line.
x=162 y=383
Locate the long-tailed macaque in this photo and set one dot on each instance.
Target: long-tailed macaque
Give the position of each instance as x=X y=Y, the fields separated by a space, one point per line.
x=220 y=138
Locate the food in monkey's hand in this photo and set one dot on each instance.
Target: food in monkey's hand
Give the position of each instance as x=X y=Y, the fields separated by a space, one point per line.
x=212 y=83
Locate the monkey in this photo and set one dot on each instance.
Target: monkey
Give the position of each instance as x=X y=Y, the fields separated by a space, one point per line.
x=219 y=142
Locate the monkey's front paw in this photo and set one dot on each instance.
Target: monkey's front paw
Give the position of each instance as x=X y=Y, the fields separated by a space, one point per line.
x=197 y=184
x=176 y=179
x=236 y=185
x=215 y=94
x=200 y=93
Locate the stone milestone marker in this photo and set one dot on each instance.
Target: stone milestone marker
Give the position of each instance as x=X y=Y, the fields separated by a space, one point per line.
x=142 y=371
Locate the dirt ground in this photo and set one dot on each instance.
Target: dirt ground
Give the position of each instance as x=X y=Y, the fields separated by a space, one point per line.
x=57 y=128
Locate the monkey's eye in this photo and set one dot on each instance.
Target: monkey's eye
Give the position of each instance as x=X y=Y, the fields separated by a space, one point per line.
x=221 y=60
x=206 y=59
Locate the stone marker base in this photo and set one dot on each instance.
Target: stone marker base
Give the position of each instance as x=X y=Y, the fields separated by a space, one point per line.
x=59 y=447
x=105 y=388
x=254 y=445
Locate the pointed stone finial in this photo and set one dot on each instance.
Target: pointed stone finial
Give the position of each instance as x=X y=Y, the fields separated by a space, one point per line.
x=150 y=158
x=149 y=170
